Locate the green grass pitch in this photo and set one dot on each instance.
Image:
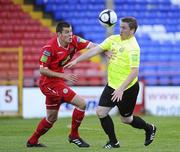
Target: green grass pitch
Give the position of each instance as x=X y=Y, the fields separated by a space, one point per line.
x=15 y=131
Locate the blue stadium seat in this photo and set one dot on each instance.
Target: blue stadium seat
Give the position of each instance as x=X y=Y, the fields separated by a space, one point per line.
x=175 y=80
x=164 y=80
x=151 y=80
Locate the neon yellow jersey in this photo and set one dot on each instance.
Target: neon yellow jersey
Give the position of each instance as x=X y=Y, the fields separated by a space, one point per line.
x=127 y=55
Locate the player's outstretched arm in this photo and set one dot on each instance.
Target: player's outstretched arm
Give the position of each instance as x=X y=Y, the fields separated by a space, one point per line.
x=66 y=76
x=90 y=53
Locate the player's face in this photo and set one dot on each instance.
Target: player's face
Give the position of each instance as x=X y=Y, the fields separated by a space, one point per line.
x=66 y=35
x=125 y=31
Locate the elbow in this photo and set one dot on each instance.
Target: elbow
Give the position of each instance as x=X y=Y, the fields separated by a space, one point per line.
x=135 y=71
x=41 y=72
x=92 y=45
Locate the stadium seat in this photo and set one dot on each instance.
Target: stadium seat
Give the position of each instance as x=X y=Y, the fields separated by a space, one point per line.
x=82 y=81
x=175 y=80
x=164 y=80
x=151 y=80
x=95 y=81
x=29 y=82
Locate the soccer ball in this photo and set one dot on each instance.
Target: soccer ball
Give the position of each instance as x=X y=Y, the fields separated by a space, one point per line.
x=107 y=18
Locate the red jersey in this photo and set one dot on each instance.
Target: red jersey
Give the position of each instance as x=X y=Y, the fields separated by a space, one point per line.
x=54 y=56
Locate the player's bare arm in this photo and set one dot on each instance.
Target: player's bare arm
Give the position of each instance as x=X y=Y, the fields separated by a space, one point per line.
x=90 y=53
x=117 y=94
x=91 y=45
x=47 y=72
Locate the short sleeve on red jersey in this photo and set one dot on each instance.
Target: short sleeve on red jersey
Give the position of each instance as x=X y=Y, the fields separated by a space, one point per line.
x=81 y=43
x=45 y=57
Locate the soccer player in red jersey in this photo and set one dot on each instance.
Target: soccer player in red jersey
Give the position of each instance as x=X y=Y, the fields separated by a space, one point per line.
x=54 y=55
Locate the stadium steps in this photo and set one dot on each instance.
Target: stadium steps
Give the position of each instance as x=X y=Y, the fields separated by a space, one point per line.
x=36 y=15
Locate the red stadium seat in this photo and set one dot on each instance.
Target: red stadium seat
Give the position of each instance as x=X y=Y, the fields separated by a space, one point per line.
x=95 y=81
x=28 y=73
x=29 y=82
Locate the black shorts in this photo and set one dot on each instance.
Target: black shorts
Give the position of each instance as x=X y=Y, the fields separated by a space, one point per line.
x=126 y=105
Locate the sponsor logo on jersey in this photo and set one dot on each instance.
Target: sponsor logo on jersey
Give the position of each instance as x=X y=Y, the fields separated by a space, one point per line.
x=65 y=60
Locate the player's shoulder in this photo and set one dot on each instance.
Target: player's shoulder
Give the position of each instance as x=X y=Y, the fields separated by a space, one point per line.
x=134 y=43
x=74 y=40
x=78 y=39
x=74 y=37
x=51 y=43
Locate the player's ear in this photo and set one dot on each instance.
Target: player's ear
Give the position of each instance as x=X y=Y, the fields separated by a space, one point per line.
x=132 y=31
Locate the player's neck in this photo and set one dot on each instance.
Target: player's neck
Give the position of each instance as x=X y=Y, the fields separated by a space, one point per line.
x=126 y=38
x=62 y=43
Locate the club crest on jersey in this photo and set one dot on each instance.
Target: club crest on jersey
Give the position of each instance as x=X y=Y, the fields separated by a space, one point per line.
x=121 y=49
x=65 y=90
x=47 y=53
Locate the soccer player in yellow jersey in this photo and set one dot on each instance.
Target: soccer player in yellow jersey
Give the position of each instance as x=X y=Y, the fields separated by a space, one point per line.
x=122 y=87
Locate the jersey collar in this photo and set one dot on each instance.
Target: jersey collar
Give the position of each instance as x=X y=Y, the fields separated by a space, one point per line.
x=59 y=45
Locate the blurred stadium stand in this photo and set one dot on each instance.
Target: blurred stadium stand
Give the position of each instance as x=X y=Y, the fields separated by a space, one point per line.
x=158 y=35
x=82 y=14
x=17 y=28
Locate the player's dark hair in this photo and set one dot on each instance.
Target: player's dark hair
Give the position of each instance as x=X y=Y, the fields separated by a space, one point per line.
x=61 y=25
x=132 y=22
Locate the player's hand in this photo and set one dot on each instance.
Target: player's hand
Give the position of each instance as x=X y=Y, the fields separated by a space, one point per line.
x=117 y=95
x=71 y=77
x=110 y=54
x=70 y=64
